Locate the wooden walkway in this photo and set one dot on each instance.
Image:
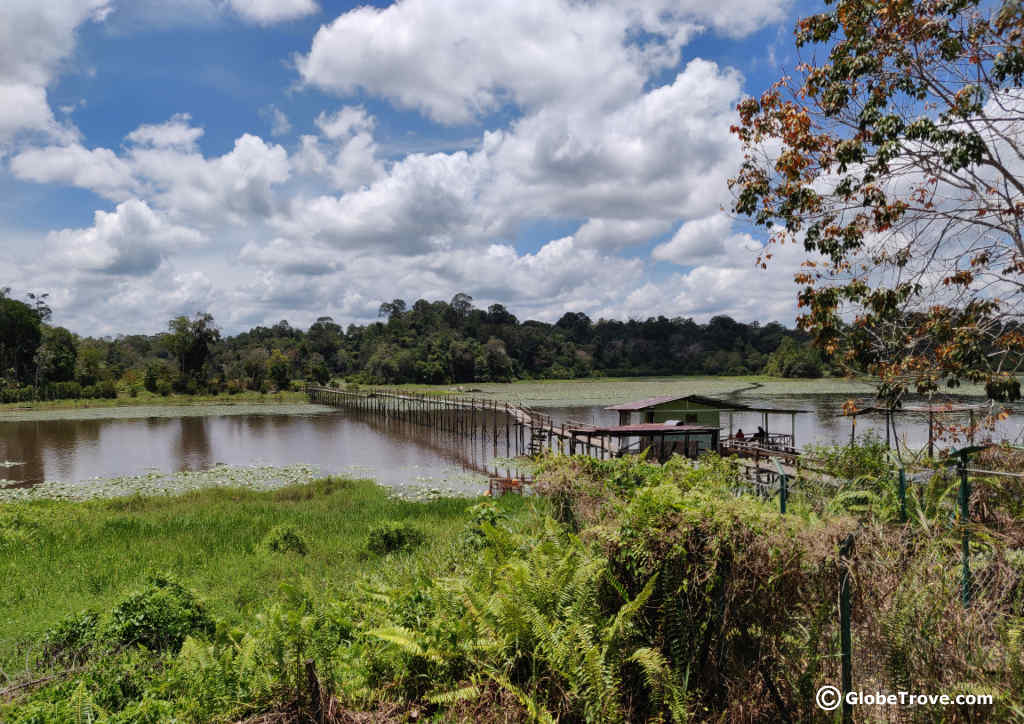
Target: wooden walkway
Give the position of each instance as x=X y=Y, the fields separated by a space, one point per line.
x=523 y=430
x=520 y=430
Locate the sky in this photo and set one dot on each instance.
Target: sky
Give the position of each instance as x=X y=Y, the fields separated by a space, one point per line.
x=290 y=159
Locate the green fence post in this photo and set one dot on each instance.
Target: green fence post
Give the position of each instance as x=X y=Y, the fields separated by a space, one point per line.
x=965 y=495
x=783 y=487
x=845 y=639
x=903 y=494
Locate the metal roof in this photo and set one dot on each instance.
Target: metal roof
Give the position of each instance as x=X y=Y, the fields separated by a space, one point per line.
x=699 y=399
x=645 y=428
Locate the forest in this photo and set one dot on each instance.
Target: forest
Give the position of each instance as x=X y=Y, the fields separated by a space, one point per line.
x=428 y=343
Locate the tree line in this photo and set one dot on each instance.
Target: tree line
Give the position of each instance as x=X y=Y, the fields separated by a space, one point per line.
x=435 y=342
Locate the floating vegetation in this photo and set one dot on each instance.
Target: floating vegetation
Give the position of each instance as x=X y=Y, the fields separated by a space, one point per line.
x=155 y=482
x=250 y=477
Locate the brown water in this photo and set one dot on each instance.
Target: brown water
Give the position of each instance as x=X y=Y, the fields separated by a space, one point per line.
x=107 y=443
x=334 y=441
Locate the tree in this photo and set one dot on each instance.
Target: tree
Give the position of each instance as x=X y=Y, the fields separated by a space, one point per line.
x=394 y=308
x=190 y=341
x=896 y=162
x=279 y=369
x=20 y=336
x=461 y=304
x=57 y=355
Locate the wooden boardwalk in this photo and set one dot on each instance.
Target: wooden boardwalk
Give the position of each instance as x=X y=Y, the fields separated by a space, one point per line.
x=524 y=431
x=520 y=430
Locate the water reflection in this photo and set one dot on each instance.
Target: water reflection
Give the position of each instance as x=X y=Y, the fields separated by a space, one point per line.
x=395 y=452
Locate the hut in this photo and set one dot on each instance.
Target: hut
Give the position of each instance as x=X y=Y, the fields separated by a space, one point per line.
x=707 y=412
x=661 y=440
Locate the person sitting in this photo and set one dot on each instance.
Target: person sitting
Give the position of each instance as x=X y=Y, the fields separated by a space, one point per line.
x=740 y=435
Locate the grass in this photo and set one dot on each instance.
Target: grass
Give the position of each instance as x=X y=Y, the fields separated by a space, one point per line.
x=59 y=557
x=145 y=397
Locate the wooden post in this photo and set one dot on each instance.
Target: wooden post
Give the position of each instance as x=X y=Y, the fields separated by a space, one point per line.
x=931 y=434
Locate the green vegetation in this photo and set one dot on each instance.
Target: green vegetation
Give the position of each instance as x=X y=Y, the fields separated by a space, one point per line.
x=626 y=591
x=430 y=343
x=147 y=399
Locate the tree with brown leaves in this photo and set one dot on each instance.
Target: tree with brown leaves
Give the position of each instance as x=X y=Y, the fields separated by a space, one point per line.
x=897 y=160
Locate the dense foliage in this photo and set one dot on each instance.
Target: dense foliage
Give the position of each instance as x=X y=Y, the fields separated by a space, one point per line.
x=894 y=157
x=431 y=342
x=627 y=592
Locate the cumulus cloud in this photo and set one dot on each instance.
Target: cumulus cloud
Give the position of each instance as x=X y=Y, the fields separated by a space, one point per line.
x=701 y=240
x=279 y=123
x=175 y=133
x=98 y=169
x=346 y=152
x=457 y=60
x=131 y=240
x=226 y=189
x=601 y=129
x=268 y=12
x=34 y=38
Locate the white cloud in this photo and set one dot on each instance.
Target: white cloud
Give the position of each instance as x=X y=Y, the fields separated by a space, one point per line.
x=131 y=240
x=176 y=133
x=279 y=123
x=98 y=169
x=617 y=233
x=457 y=60
x=268 y=12
x=224 y=190
x=702 y=240
x=346 y=122
x=34 y=38
x=331 y=224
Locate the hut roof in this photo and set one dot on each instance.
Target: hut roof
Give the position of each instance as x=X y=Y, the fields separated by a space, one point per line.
x=646 y=428
x=714 y=402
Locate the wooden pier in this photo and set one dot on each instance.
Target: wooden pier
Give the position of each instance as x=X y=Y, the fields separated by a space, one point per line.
x=510 y=428
x=517 y=430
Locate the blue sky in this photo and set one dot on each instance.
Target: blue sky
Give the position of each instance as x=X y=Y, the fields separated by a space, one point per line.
x=272 y=159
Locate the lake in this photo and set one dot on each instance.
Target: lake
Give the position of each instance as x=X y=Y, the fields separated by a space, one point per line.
x=78 y=446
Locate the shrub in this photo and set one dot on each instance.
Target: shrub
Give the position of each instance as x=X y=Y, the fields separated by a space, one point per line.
x=284 y=539
x=70 y=640
x=392 y=536
x=158 y=617
x=107 y=389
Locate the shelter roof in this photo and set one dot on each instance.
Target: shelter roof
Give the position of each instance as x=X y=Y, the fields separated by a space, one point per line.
x=713 y=402
x=646 y=428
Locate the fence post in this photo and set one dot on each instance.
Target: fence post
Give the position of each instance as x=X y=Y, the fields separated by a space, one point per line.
x=903 y=494
x=845 y=640
x=783 y=487
x=965 y=494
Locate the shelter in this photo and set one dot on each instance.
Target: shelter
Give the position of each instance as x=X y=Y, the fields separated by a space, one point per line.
x=707 y=411
x=661 y=439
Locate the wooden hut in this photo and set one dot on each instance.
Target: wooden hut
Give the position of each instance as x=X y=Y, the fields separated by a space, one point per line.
x=707 y=412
